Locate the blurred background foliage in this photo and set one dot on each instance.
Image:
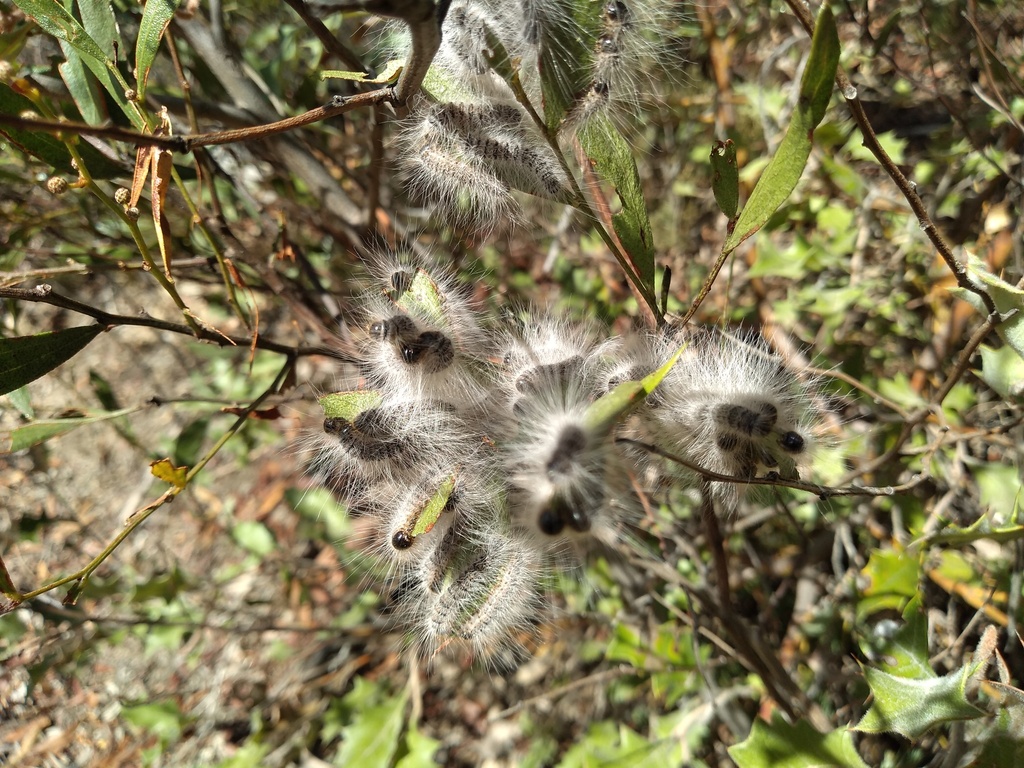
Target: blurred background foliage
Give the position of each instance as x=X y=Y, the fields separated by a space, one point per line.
x=239 y=627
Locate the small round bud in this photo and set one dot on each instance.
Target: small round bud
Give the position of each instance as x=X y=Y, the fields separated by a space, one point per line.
x=55 y=185
x=132 y=213
x=74 y=164
x=6 y=71
x=131 y=94
x=121 y=196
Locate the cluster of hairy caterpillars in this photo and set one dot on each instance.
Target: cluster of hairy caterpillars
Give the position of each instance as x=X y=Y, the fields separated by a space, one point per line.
x=476 y=451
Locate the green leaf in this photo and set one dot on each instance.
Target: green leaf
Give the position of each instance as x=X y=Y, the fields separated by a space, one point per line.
x=163 y=719
x=255 y=537
x=423 y=298
x=155 y=18
x=55 y=20
x=390 y=74
x=82 y=86
x=348 y=405
x=910 y=706
x=20 y=438
x=781 y=745
x=612 y=158
x=725 y=177
x=605 y=412
x=19 y=398
x=190 y=442
x=26 y=358
x=893 y=580
x=784 y=171
x=608 y=745
x=420 y=751
x=101 y=25
x=1005 y=296
x=1003 y=370
x=431 y=512
x=371 y=739
x=564 y=64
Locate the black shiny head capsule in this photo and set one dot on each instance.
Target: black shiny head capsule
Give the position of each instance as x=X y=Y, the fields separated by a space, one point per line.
x=792 y=442
x=402 y=539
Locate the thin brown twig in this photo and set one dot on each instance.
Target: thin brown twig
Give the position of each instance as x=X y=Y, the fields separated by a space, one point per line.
x=44 y=294
x=821 y=491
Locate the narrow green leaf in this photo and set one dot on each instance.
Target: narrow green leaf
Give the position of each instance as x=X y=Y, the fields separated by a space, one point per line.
x=82 y=86
x=612 y=158
x=607 y=410
x=725 y=177
x=785 y=168
x=155 y=18
x=26 y=358
x=101 y=25
x=55 y=20
x=390 y=74
x=566 y=58
x=22 y=402
x=781 y=745
x=348 y=405
x=371 y=739
x=40 y=431
x=432 y=510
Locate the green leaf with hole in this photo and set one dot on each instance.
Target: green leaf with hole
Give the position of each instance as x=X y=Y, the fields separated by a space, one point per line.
x=155 y=18
x=26 y=358
x=612 y=158
x=605 y=412
x=20 y=438
x=784 y=170
x=779 y=744
x=424 y=299
x=348 y=405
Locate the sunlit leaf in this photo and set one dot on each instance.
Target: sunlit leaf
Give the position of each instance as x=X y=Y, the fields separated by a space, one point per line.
x=390 y=74
x=612 y=158
x=781 y=745
x=20 y=438
x=784 y=171
x=371 y=739
x=419 y=751
x=348 y=405
x=609 y=409
x=163 y=719
x=164 y=470
x=910 y=706
x=432 y=510
x=1003 y=370
x=26 y=358
x=155 y=18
